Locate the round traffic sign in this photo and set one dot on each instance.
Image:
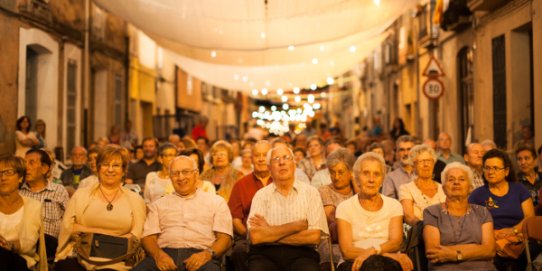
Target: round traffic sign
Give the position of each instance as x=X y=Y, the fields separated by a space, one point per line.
x=433 y=88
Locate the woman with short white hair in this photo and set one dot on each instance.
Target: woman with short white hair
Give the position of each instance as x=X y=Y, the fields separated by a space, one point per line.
x=458 y=235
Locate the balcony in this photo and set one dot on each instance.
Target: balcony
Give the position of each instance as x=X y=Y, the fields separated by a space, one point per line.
x=485 y=5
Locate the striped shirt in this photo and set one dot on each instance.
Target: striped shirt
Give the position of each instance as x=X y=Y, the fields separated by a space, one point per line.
x=54 y=200
x=302 y=203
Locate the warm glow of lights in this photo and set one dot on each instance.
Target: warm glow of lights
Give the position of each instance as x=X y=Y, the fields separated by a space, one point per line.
x=284 y=99
x=297 y=99
x=297 y=90
x=330 y=80
x=310 y=98
x=316 y=106
x=291 y=48
x=263 y=35
x=285 y=106
x=264 y=91
x=254 y=92
x=213 y=54
x=280 y=91
x=314 y=60
x=245 y=78
x=314 y=86
x=352 y=48
x=236 y=77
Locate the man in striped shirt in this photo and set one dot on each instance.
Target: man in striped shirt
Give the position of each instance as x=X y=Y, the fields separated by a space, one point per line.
x=286 y=219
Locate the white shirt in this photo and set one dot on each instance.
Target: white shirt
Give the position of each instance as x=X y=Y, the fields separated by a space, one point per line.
x=156 y=187
x=369 y=228
x=321 y=178
x=9 y=224
x=303 y=202
x=411 y=192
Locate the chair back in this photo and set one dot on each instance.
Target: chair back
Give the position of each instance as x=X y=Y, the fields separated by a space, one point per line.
x=414 y=247
x=532 y=230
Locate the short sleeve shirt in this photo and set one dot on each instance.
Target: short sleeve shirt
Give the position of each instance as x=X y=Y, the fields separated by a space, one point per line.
x=369 y=228
x=411 y=192
x=506 y=210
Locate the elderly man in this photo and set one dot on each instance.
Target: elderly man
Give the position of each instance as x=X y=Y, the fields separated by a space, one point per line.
x=79 y=169
x=403 y=173
x=186 y=230
x=241 y=200
x=445 y=154
x=53 y=197
x=286 y=219
x=473 y=159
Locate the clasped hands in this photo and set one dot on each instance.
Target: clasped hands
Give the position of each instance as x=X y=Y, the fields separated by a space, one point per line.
x=165 y=263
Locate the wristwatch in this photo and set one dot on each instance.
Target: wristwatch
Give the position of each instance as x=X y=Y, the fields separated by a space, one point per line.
x=515 y=231
x=459 y=256
x=378 y=249
x=212 y=252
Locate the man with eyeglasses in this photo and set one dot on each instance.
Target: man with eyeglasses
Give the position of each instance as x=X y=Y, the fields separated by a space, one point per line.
x=286 y=219
x=403 y=173
x=241 y=199
x=189 y=228
x=53 y=197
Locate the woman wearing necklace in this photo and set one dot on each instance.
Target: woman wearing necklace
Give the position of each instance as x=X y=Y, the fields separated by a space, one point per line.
x=508 y=201
x=222 y=174
x=458 y=235
x=528 y=173
x=105 y=208
x=158 y=183
x=370 y=223
x=316 y=159
x=341 y=188
x=423 y=191
x=20 y=226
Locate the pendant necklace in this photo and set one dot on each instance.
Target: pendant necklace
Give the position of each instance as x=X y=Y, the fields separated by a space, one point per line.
x=109 y=206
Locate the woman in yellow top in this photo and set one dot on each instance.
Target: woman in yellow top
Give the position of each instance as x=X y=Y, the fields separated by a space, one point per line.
x=105 y=208
x=222 y=174
x=19 y=225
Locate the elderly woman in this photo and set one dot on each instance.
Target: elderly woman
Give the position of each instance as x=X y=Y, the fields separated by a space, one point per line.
x=20 y=227
x=197 y=155
x=370 y=223
x=24 y=138
x=508 y=202
x=528 y=174
x=158 y=183
x=222 y=174
x=339 y=164
x=423 y=191
x=316 y=159
x=458 y=235
x=105 y=208
x=40 y=133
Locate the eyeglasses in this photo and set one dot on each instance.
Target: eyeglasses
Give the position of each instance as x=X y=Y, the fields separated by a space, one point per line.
x=219 y=154
x=425 y=161
x=494 y=169
x=337 y=173
x=8 y=172
x=113 y=166
x=285 y=158
x=184 y=172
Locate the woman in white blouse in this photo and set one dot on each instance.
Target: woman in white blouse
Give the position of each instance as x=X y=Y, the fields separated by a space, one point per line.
x=158 y=183
x=19 y=224
x=370 y=223
x=423 y=191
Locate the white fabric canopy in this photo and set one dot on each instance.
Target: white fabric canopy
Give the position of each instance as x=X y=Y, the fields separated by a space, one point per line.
x=247 y=44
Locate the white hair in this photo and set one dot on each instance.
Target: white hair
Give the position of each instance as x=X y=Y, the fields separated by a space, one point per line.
x=270 y=152
x=369 y=156
x=457 y=165
x=418 y=149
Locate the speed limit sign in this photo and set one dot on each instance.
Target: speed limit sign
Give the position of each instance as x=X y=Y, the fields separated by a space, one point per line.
x=433 y=88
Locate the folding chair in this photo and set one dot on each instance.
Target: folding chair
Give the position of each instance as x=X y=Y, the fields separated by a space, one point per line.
x=414 y=247
x=532 y=230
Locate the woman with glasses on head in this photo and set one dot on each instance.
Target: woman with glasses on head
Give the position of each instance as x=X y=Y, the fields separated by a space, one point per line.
x=19 y=225
x=222 y=174
x=104 y=208
x=316 y=156
x=507 y=200
x=197 y=155
x=458 y=235
x=158 y=183
x=423 y=191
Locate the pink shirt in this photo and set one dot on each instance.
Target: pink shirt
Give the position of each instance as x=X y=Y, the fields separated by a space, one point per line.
x=188 y=222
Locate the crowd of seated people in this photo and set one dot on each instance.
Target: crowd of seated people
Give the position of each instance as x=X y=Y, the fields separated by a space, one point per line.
x=323 y=205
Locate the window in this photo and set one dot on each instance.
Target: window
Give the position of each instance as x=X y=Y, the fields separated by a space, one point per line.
x=31 y=91
x=499 y=91
x=118 y=100
x=71 y=104
x=465 y=94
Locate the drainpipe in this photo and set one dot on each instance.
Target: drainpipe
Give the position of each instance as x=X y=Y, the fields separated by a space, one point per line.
x=86 y=74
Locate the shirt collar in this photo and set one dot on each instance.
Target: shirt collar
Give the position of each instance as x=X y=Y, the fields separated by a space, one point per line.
x=48 y=187
x=296 y=187
x=189 y=197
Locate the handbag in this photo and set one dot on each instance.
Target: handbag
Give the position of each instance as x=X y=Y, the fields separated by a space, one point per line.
x=510 y=246
x=115 y=249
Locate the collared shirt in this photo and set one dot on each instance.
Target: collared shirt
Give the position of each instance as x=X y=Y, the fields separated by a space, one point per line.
x=303 y=202
x=188 y=222
x=533 y=188
x=453 y=157
x=309 y=168
x=394 y=180
x=321 y=178
x=138 y=171
x=54 y=200
x=478 y=179
x=242 y=194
